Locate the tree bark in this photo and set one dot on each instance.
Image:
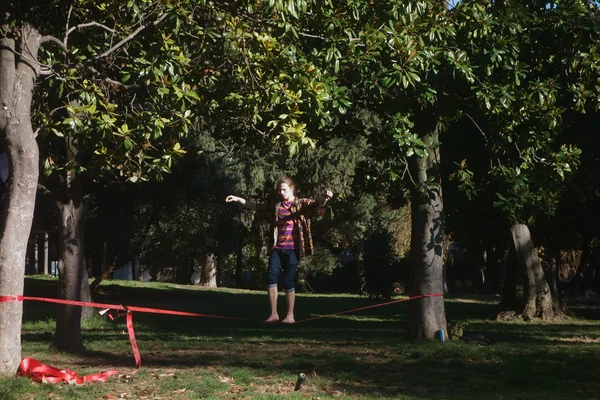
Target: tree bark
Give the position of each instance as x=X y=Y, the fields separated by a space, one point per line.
x=537 y=296
x=17 y=80
x=209 y=271
x=71 y=273
x=427 y=315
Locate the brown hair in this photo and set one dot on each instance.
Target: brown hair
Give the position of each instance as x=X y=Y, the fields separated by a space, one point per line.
x=288 y=181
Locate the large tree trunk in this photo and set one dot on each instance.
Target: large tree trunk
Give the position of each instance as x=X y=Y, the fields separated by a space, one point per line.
x=538 y=299
x=209 y=271
x=71 y=273
x=426 y=316
x=17 y=79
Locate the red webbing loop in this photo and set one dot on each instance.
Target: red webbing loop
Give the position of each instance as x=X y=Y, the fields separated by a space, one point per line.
x=43 y=373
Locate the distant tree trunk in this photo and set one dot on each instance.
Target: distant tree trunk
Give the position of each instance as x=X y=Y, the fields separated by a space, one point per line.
x=42 y=254
x=17 y=80
x=474 y=259
x=209 y=271
x=584 y=279
x=492 y=278
x=302 y=284
x=552 y=276
x=537 y=296
x=239 y=264
x=360 y=272
x=426 y=316
x=182 y=272
x=71 y=272
x=31 y=264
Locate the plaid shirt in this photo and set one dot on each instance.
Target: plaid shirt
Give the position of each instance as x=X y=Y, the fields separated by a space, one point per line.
x=301 y=210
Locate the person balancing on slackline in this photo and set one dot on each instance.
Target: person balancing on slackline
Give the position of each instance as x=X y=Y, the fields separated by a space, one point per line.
x=290 y=241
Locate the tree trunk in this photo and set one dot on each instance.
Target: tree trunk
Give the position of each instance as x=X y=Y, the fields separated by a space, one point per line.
x=183 y=270
x=17 y=79
x=31 y=258
x=239 y=264
x=71 y=273
x=537 y=296
x=491 y=269
x=42 y=267
x=426 y=316
x=552 y=276
x=209 y=271
x=86 y=293
x=302 y=284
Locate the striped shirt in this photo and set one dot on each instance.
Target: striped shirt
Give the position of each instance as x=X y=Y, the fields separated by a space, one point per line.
x=285 y=227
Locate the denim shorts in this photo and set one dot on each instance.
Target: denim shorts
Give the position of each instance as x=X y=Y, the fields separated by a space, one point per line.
x=283 y=264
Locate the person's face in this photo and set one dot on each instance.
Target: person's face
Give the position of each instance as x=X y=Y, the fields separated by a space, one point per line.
x=286 y=192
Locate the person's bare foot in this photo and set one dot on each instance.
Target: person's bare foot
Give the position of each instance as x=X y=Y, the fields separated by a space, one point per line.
x=289 y=320
x=273 y=318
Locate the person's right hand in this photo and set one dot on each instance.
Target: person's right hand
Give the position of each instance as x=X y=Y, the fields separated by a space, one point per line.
x=231 y=198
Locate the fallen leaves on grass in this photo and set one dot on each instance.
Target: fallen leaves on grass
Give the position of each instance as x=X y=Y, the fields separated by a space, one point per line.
x=167 y=375
x=226 y=379
x=578 y=339
x=125 y=378
x=109 y=397
x=235 y=388
x=179 y=391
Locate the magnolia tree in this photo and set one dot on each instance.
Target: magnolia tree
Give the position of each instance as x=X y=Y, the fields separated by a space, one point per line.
x=118 y=84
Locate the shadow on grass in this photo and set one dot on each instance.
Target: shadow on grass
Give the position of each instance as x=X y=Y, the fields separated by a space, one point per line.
x=359 y=354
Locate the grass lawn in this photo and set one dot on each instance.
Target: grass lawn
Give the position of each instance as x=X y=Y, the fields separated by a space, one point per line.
x=361 y=355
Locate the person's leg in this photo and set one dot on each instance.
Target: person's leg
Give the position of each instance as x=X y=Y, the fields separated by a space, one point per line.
x=289 y=272
x=274 y=316
x=272 y=279
x=290 y=299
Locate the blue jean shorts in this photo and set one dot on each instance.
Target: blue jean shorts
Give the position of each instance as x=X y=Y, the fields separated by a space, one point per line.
x=283 y=264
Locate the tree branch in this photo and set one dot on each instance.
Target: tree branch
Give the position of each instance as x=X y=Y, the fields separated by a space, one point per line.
x=86 y=25
x=52 y=39
x=478 y=127
x=129 y=37
x=109 y=80
x=311 y=36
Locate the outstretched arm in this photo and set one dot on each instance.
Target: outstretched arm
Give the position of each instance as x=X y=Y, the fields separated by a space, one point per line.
x=312 y=208
x=245 y=203
x=325 y=197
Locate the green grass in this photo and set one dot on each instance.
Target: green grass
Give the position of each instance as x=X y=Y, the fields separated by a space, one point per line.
x=361 y=355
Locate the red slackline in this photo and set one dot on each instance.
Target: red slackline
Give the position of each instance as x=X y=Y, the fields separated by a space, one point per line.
x=40 y=372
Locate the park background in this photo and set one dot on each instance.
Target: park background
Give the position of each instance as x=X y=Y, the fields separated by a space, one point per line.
x=458 y=140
